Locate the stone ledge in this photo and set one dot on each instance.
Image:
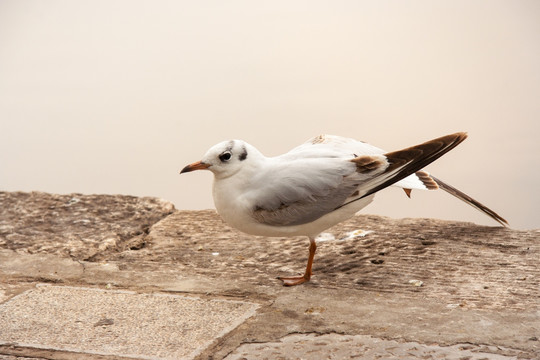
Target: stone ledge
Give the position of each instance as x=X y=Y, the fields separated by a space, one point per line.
x=422 y=281
x=75 y=225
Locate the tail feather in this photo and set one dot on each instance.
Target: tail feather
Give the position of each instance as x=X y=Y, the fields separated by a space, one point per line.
x=469 y=200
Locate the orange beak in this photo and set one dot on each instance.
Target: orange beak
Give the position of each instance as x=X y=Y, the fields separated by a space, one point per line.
x=199 y=165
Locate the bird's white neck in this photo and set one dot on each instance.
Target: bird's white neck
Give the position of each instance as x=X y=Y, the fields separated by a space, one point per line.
x=229 y=192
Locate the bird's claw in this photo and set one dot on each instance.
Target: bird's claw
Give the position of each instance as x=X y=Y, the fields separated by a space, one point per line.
x=293 y=280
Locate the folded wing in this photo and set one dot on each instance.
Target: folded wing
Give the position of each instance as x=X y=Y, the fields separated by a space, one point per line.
x=302 y=189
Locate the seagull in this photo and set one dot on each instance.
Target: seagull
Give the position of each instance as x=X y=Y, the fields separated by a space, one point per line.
x=316 y=185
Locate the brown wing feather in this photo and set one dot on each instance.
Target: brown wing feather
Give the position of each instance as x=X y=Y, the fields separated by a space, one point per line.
x=403 y=163
x=410 y=160
x=427 y=180
x=469 y=200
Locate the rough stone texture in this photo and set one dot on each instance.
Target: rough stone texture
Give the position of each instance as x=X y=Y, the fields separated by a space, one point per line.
x=110 y=322
x=460 y=264
x=76 y=225
x=479 y=285
x=336 y=346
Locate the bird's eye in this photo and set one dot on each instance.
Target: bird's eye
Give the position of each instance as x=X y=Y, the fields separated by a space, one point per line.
x=226 y=156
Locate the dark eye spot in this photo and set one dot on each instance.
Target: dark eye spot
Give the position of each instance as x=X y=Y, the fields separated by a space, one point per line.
x=243 y=155
x=226 y=156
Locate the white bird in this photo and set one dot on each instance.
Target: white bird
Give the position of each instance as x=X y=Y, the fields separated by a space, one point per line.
x=316 y=185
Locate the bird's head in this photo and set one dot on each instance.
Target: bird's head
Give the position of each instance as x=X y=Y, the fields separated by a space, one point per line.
x=224 y=159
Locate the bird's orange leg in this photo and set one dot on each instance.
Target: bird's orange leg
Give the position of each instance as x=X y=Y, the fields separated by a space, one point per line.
x=297 y=280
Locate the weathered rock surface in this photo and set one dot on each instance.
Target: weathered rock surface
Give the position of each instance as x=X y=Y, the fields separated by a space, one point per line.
x=459 y=263
x=76 y=225
x=409 y=281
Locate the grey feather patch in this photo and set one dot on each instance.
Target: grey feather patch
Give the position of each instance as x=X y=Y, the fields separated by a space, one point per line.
x=305 y=210
x=244 y=154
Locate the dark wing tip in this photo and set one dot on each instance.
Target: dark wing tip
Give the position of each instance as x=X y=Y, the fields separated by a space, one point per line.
x=403 y=163
x=423 y=154
x=469 y=200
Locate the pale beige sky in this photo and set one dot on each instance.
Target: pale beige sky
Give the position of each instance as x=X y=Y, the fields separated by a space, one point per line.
x=117 y=96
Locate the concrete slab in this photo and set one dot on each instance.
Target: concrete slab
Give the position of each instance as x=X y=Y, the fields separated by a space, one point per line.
x=336 y=346
x=120 y=323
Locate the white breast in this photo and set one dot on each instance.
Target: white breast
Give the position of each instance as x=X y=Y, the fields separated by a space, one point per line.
x=236 y=212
